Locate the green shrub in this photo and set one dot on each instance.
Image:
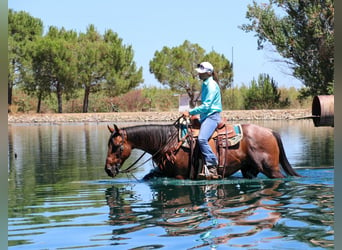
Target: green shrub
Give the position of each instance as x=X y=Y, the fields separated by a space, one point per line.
x=264 y=94
x=162 y=99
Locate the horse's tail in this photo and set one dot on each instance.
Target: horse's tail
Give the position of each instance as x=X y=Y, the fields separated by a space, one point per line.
x=283 y=158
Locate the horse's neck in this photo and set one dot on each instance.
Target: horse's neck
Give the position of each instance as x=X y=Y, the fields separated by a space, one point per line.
x=149 y=138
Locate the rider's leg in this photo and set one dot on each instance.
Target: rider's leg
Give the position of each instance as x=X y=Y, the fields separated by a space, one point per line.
x=208 y=127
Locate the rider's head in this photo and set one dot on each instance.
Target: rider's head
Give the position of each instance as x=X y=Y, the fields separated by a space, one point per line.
x=204 y=70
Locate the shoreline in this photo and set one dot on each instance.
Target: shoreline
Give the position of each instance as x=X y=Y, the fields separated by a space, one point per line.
x=230 y=115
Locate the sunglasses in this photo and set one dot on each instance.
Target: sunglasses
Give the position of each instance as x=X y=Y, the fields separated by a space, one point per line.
x=200 y=66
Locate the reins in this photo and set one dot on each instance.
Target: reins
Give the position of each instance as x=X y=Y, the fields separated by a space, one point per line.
x=130 y=168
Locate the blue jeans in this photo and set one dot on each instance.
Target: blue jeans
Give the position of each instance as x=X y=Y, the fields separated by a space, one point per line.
x=208 y=127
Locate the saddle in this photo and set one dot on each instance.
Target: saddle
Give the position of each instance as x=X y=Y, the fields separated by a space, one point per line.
x=225 y=136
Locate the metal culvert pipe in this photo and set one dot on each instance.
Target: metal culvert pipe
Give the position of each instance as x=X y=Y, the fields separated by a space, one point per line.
x=323 y=110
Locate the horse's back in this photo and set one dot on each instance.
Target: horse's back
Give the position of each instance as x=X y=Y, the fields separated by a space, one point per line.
x=259 y=139
x=254 y=130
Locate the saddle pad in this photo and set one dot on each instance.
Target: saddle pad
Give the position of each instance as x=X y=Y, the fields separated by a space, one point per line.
x=235 y=134
x=238 y=137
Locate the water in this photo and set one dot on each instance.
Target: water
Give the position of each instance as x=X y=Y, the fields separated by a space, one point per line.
x=61 y=198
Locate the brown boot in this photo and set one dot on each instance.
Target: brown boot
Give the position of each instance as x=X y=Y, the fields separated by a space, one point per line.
x=213 y=173
x=209 y=173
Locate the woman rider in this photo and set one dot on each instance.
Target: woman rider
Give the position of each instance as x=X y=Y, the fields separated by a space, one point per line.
x=209 y=111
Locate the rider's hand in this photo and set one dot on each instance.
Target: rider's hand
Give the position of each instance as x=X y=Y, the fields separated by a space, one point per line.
x=186 y=114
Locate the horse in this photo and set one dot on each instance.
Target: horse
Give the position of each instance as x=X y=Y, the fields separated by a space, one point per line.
x=260 y=151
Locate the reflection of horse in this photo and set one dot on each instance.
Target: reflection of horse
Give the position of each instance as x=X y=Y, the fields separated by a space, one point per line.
x=184 y=210
x=221 y=213
x=260 y=151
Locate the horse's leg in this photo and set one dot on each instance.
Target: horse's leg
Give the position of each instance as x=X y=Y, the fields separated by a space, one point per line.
x=270 y=161
x=272 y=172
x=263 y=152
x=182 y=170
x=249 y=173
x=269 y=166
x=154 y=173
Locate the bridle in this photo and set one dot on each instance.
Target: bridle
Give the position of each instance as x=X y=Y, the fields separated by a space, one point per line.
x=121 y=146
x=123 y=134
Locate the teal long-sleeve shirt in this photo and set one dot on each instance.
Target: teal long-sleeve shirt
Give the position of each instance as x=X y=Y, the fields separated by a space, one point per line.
x=211 y=100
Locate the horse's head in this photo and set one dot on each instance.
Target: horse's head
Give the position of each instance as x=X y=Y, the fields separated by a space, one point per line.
x=118 y=151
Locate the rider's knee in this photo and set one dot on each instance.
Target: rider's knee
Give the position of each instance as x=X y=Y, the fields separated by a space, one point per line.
x=202 y=141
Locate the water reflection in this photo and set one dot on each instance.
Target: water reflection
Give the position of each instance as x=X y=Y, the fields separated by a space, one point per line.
x=57 y=182
x=58 y=153
x=55 y=154
x=305 y=144
x=238 y=215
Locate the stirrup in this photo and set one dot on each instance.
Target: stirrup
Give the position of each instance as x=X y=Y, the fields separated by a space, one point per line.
x=202 y=176
x=208 y=175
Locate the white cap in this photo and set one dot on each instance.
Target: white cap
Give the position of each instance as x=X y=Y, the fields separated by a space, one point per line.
x=204 y=67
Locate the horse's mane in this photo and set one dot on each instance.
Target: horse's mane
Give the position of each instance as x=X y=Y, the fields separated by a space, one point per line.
x=150 y=136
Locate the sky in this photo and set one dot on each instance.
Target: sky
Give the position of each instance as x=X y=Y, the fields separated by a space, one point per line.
x=150 y=25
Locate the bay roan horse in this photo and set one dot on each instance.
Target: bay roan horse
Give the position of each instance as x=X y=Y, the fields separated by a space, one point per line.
x=260 y=151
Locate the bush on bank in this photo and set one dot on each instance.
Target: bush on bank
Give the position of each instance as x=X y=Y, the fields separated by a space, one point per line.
x=145 y=99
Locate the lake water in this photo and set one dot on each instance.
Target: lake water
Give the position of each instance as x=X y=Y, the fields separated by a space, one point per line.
x=61 y=198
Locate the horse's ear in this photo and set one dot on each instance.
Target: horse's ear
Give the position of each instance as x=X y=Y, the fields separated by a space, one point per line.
x=111 y=130
x=116 y=129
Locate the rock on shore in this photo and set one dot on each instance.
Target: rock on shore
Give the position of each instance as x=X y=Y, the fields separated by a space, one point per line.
x=231 y=115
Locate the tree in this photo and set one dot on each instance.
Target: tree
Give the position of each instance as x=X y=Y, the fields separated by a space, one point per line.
x=175 y=67
x=54 y=64
x=104 y=62
x=91 y=68
x=262 y=94
x=122 y=73
x=23 y=30
x=223 y=68
x=303 y=34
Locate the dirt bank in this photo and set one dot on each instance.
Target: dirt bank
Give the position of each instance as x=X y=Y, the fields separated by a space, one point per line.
x=232 y=115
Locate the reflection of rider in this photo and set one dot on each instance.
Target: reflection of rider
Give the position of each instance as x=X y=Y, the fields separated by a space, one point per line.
x=209 y=111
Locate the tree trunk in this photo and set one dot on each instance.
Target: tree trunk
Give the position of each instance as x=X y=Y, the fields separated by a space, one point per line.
x=86 y=99
x=10 y=84
x=10 y=89
x=39 y=102
x=191 y=95
x=59 y=99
